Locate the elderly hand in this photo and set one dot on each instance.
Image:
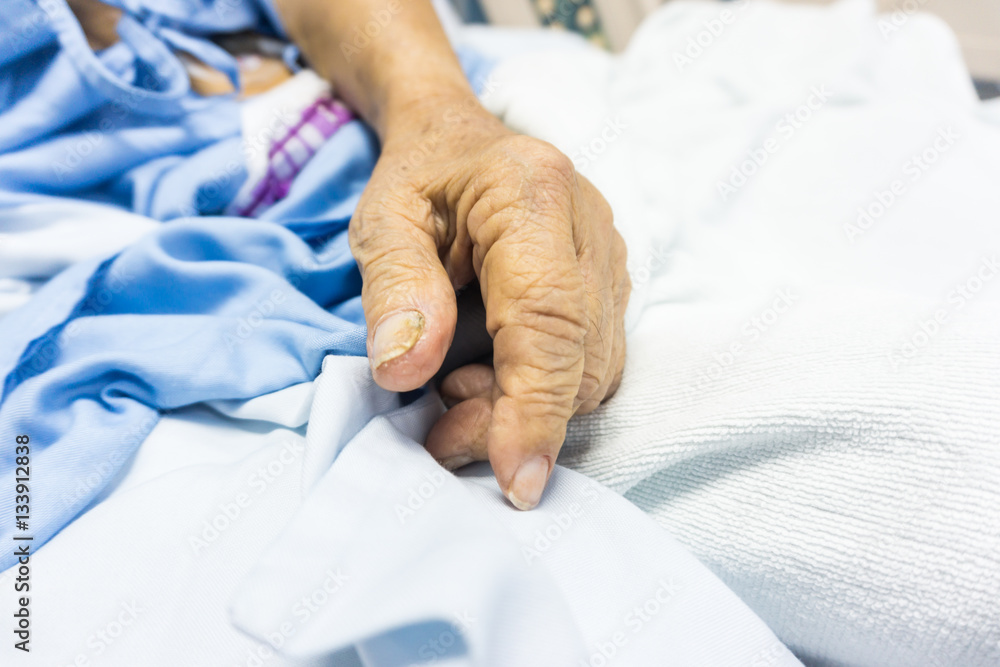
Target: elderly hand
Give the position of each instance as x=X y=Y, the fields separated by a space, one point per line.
x=462 y=197
x=456 y=196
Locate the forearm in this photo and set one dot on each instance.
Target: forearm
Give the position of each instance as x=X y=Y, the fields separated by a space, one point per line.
x=405 y=71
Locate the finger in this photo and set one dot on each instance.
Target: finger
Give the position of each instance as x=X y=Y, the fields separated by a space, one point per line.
x=539 y=365
x=459 y=437
x=467 y=382
x=612 y=341
x=612 y=377
x=623 y=292
x=408 y=299
x=534 y=295
x=600 y=340
x=617 y=381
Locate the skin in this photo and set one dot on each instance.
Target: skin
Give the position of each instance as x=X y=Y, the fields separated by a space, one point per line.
x=457 y=196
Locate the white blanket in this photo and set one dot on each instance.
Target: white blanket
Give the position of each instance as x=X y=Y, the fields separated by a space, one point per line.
x=812 y=394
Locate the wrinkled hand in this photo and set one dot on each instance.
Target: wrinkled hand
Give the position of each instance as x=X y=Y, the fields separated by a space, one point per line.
x=463 y=198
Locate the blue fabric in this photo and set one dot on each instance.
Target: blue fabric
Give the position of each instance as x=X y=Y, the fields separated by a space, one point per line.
x=83 y=124
x=207 y=307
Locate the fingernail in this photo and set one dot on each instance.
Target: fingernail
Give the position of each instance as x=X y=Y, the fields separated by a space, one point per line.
x=396 y=335
x=529 y=482
x=456 y=462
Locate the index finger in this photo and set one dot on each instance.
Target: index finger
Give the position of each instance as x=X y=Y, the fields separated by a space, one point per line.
x=534 y=293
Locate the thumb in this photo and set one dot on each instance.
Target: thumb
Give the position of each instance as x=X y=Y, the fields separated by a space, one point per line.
x=408 y=299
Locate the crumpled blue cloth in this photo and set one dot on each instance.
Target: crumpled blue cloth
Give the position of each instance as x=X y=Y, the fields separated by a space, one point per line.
x=112 y=126
x=204 y=309
x=207 y=307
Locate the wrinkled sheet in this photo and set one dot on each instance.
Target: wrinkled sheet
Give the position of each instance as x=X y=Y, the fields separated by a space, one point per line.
x=310 y=527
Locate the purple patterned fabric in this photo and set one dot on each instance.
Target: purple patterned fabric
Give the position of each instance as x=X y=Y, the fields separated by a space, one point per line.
x=291 y=150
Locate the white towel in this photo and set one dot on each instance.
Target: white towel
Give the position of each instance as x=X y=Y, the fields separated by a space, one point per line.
x=811 y=399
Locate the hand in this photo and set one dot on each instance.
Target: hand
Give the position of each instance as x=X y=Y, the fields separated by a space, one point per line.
x=456 y=196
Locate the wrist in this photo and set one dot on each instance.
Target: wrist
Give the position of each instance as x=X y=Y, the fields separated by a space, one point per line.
x=441 y=114
x=413 y=105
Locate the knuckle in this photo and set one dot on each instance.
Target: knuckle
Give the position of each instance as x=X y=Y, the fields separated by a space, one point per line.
x=550 y=160
x=557 y=289
x=527 y=181
x=549 y=303
x=552 y=398
x=561 y=332
x=388 y=264
x=539 y=154
x=383 y=222
x=540 y=169
x=540 y=362
x=543 y=345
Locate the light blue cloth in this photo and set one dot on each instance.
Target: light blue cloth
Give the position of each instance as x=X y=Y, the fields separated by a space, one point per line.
x=113 y=126
x=207 y=308
x=231 y=309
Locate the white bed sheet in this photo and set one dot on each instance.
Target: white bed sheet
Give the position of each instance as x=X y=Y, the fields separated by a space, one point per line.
x=229 y=524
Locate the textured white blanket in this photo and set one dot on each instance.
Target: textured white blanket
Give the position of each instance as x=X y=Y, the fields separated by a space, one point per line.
x=812 y=396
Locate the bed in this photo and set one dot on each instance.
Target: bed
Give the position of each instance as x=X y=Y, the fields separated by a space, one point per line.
x=801 y=465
